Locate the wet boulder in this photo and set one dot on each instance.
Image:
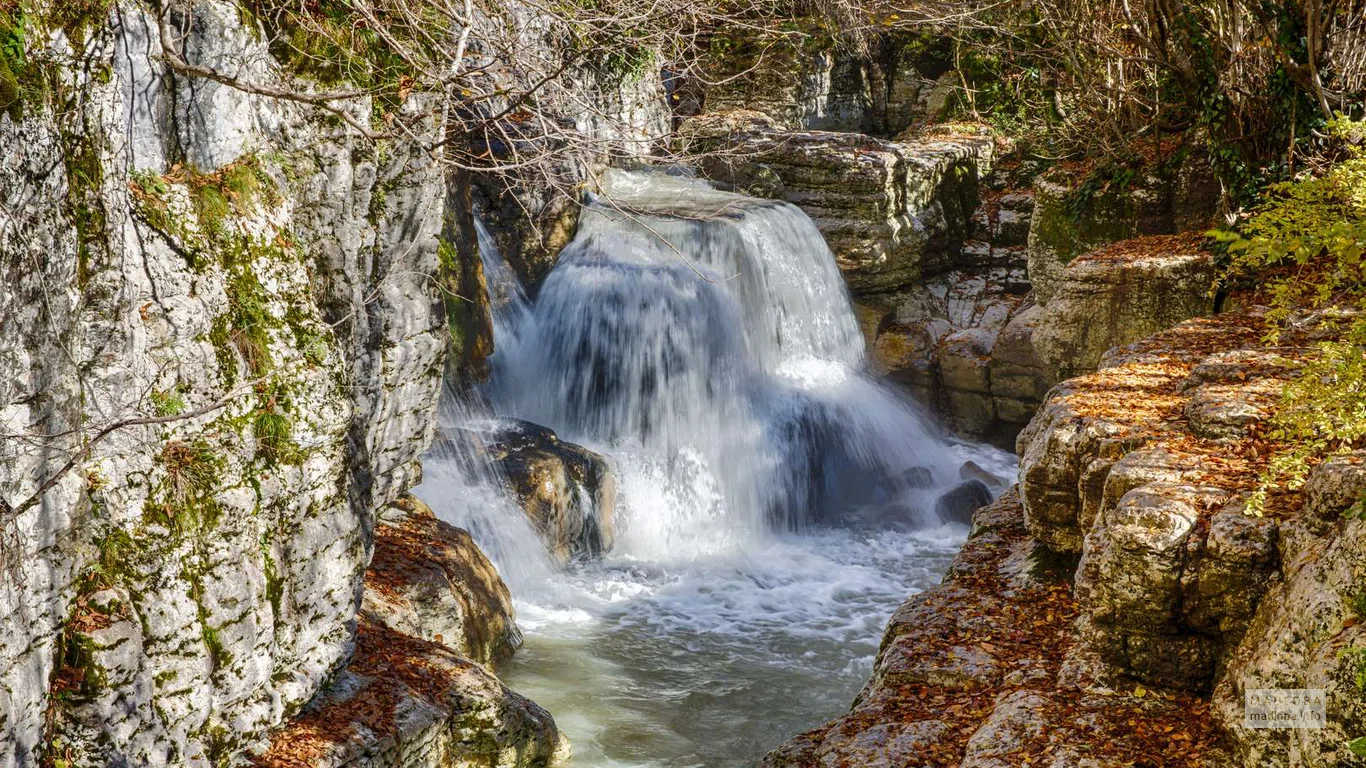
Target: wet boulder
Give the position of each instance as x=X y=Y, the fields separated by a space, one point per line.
x=567 y=491
x=917 y=478
x=971 y=470
x=957 y=505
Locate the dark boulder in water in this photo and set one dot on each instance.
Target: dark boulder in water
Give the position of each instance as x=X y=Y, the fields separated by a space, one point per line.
x=957 y=505
x=971 y=470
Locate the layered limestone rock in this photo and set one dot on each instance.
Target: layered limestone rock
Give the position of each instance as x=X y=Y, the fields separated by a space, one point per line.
x=961 y=339
x=1091 y=422
x=1144 y=469
x=1134 y=481
x=407 y=702
x=1308 y=631
x=419 y=690
x=986 y=355
x=1120 y=294
x=955 y=342
x=221 y=350
x=817 y=86
x=797 y=87
x=889 y=210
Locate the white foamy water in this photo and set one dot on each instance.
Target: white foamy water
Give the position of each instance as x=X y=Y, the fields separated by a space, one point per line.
x=775 y=504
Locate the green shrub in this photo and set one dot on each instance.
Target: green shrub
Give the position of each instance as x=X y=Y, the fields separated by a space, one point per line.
x=1309 y=236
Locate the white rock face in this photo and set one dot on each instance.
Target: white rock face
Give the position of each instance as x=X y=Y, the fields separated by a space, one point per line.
x=191 y=582
x=1308 y=632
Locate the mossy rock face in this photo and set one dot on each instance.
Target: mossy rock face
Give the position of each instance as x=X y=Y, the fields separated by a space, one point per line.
x=804 y=85
x=1068 y=221
x=465 y=292
x=255 y=292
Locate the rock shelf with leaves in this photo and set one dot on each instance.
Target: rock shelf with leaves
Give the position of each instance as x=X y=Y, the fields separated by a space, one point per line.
x=1161 y=599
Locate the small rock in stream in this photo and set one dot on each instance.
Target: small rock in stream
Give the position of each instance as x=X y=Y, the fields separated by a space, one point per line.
x=957 y=505
x=971 y=470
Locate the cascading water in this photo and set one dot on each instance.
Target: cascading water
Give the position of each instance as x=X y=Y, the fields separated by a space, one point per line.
x=775 y=504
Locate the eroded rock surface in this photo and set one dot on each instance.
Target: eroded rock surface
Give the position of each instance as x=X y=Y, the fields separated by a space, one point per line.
x=260 y=286
x=1072 y=217
x=813 y=86
x=1120 y=294
x=1144 y=468
x=1308 y=631
x=961 y=339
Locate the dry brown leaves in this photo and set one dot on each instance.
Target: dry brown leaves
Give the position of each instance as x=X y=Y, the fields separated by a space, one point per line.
x=396 y=667
x=1149 y=246
x=1030 y=628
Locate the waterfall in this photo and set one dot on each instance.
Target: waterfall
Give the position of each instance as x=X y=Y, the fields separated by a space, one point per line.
x=706 y=343
x=773 y=502
x=509 y=300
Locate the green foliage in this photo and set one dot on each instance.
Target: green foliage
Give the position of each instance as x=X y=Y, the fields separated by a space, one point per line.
x=1357 y=746
x=273 y=432
x=1109 y=176
x=167 y=403
x=327 y=41
x=23 y=78
x=1358 y=604
x=235 y=190
x=1307 y=243
x=192 y=471
x=28 y=75
x=84 y=185
x=116 y=549
x=78 y=17
x=1357 y=655
x=246 y=326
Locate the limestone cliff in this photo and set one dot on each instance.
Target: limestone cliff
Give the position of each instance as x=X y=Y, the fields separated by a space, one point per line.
x=221 y=344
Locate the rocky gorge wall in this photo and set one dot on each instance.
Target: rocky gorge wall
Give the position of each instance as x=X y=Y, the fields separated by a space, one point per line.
x=238 y=298
x=1115 y=608
x=227 y=319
